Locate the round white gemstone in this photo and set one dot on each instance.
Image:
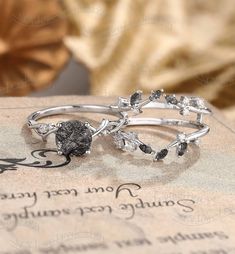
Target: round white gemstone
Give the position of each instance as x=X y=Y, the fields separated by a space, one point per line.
x=200 y=103
x=181 y=137
x=184 y=100
x=120 y=144
x=43 y=129
x=184 y=111
x=197 y=102
x=130 y=146
x=123 y=103
x=126 y=141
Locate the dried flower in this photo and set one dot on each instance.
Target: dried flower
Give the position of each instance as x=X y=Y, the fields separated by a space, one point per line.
x=31 y=45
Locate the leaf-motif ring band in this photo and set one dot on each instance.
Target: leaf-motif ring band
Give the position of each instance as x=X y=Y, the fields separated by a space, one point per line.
x=185 y=105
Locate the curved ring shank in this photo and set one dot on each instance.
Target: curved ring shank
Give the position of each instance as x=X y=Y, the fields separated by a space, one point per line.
x=70 y=109
x=203 y=129
x=32 y=119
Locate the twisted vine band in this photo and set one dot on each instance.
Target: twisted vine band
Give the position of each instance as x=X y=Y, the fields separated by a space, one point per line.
x=75 y=137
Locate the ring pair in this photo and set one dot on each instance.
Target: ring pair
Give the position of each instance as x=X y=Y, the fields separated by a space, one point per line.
x=75 y=137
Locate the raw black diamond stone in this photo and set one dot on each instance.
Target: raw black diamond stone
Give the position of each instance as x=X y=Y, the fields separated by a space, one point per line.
x=155 y=95
x=171 y=99
x=161 y=155
x=182 y=148
x=146 y=149
x=73 y=137
x=135 y=98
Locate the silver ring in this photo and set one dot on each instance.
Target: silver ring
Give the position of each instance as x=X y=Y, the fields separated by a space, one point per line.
x=74 y=137
x=129 y=141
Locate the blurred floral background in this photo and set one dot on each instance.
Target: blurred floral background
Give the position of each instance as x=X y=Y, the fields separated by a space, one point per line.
x=113 y=47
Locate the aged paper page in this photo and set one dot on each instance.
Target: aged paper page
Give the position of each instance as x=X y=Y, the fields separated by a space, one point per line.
x=113 y=201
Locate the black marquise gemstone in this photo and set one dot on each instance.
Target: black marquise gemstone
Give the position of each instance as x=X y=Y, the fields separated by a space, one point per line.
x=135 y=98
x=146 y=149
x=155 y=95
x=171 y=99
x=162 y=154
x=73 y=137
x=182 y=148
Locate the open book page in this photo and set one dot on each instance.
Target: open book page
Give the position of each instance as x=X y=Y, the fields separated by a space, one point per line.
x=112 y=201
